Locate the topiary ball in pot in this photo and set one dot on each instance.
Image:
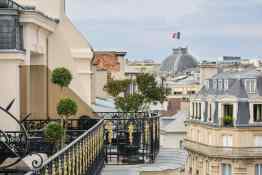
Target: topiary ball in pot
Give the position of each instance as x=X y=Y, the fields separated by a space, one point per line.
x=67 y=107
x=62 y=77
x=53 y=132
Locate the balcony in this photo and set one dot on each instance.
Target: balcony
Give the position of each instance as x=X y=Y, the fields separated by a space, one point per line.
x=83 y=153
x=223 y=152
x=120 y=138
x=131 y=138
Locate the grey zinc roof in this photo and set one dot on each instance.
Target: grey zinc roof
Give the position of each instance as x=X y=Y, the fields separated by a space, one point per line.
x=237 y=90
x=236 y=83
x=251 y=73
x=179 y=61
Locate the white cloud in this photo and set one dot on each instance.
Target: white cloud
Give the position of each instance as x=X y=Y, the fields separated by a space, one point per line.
x=143 y=27
x=131 y=9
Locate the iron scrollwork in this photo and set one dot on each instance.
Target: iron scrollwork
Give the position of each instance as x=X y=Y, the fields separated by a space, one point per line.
x=15 y=144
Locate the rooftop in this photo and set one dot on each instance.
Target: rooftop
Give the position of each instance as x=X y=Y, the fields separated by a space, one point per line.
x=178 y=61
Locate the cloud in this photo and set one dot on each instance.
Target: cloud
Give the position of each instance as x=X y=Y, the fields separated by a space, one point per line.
x=144 y=27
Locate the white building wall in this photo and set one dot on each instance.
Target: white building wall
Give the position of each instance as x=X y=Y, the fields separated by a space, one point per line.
x=9 y=88
x=172 y=140
x=67 y=48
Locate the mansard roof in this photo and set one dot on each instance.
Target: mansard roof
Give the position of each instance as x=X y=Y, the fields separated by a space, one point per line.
x=236 y=84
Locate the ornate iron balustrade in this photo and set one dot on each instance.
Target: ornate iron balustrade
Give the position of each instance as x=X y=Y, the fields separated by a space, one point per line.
x=73 y=124
x=10 y=4
x=83 y=156
x=131 y=138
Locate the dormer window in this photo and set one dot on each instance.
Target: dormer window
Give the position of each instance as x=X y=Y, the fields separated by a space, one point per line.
x=220 y=84
x=226 y=84
x=251 y=85
x=214 y=84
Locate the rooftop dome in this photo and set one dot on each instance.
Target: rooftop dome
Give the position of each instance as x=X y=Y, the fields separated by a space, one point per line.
x=178 y=62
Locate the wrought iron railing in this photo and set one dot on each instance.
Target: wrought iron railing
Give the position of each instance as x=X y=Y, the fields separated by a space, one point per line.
x=10 y=4
x=73 y=124
x=84 y=156
x=131 y=138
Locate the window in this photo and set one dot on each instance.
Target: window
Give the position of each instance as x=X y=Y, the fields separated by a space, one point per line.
x=207 y=84
x=227 y=140
x=251 y=85
x=228 y=115
x=220 y=84
x=210 y=112
x=200 y=112
x=226 y=169
x=207 y=167
x=258 y=141
x=257 y=112
x=191 y=92
x=214 y=84
x=177 y=93
x=225 y=84
x=181 y=144
x=258 y=169
x=228 y=110
x=193 y=110
x=196 y=110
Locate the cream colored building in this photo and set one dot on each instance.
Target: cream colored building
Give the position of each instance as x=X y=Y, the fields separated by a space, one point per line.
x=36 y=36
x=224 y=131
x=143 y=66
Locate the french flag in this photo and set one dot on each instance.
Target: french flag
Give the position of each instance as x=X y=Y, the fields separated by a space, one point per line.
x=176 y=35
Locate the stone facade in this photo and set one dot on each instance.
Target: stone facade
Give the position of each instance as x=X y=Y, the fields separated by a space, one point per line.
x=47 y=40
x=220 y=146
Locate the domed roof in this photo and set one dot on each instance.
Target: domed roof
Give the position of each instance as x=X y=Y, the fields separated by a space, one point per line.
x=178 y=62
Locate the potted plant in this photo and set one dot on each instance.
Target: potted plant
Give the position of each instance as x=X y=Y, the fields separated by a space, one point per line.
x=66 y=107
x=53 y=133
x=228 y=120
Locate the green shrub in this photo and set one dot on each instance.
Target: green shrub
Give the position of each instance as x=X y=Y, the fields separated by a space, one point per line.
x=67 y=107
x=148 y=92
x=115 y=87
x=129 y=103
x=228 y=120
x=61 y=77
x=53 y=132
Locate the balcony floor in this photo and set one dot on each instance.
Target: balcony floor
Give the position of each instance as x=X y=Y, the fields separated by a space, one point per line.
x=168 y=159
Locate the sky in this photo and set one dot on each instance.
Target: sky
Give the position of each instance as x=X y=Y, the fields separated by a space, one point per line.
x=143 y=28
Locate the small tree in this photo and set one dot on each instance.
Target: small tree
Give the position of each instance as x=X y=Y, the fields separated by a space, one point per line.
x=129 y=103
x=116 y=87
x=53 y=133
x=66 y=107
x=61 y=77
x=148 y=92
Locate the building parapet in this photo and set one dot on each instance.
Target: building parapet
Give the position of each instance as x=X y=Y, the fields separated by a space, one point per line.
x=223 y=152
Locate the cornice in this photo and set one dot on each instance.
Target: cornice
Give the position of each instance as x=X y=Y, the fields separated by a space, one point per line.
x=39 y=19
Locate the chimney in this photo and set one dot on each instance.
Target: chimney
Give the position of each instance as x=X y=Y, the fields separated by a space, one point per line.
x=180 y=50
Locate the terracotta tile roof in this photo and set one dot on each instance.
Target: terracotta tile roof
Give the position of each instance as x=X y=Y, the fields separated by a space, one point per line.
x=107 y=61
